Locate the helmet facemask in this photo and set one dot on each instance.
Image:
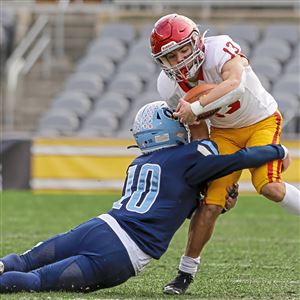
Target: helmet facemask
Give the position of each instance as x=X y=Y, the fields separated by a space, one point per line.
x=188 y=68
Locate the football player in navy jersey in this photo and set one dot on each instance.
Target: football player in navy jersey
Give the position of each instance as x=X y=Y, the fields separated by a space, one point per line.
x=161 y=190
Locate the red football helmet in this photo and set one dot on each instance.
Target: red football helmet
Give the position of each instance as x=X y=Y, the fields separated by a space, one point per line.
x=170 y=33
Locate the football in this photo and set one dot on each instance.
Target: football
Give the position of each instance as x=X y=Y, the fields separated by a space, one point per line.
x=197 y=91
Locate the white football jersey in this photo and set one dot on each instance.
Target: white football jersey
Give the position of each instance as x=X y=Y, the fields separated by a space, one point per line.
x=255 y=105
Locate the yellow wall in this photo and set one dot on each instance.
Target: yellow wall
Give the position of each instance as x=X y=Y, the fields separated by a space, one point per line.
x=94 y=165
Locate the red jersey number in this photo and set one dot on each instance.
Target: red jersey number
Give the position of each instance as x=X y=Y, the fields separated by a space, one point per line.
x=231 y=109
x=231 y=49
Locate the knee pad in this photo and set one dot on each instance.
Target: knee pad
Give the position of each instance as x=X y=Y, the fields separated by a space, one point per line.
x=72 y=279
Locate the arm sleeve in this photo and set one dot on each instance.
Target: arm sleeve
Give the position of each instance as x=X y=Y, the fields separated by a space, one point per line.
x=211 y=167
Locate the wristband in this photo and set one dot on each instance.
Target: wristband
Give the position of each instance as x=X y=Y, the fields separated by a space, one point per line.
x=286 y=151
x=196 y=108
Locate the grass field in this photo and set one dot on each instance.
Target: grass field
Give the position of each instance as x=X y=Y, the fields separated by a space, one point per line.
x=254 y=254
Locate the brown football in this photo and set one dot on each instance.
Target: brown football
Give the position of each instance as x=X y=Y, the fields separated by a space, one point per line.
x=197 y=91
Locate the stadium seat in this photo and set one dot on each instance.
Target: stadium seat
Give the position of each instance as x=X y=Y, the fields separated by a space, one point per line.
x=47 y=133
x=296 y=52
x=288 y=31
x=113 y=102
x=141 y=49
x=293 y=66
x=266 y=66
x=102 y=66
x=152 y=85
x=210 y=28
x=140 y=100
x=144 y=68
x=245 y=48
x=64 y=122
x=108 y=47
x=87 y=83
x=146 y=30
x=76 y=102
x=99 y=123
x=265 y=82
x=288 y=84
x=289 y=106
x=127 y=84
x=124 y=32
x=275 y=48
x=245 y=31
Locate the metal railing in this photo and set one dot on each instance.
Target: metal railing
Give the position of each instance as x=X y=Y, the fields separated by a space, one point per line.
x=35 y=44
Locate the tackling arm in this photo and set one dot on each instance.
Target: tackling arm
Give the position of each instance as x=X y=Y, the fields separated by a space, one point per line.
x=212 y=167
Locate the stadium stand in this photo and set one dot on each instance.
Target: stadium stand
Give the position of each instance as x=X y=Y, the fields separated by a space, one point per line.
x=250 y=33
x=116 y=74
x=122 y=53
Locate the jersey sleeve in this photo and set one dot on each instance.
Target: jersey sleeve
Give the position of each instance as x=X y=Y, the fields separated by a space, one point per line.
x=168 y=90
x=210 y=167
x=224 y=49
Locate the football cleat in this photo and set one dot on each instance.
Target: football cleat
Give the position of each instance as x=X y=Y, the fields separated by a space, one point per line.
x=179 y=285
x=1 y=267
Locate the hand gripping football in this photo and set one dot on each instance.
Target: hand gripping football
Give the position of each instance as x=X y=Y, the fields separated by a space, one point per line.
x=193 y=94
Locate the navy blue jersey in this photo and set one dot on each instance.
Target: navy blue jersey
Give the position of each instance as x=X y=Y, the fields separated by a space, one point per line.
x=162 y=188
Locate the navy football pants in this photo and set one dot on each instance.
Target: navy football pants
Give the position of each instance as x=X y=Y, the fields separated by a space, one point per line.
x=87 y=258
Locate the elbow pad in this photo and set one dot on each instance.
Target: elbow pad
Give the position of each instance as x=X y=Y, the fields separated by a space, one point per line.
x=228 y=98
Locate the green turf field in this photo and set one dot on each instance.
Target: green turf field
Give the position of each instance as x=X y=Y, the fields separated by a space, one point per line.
x=254 y=254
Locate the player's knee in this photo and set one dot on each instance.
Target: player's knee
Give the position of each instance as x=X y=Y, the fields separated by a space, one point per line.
x=274 y=191
x=211 y=210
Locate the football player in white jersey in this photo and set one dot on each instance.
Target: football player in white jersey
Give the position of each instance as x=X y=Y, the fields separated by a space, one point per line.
x=248 y=116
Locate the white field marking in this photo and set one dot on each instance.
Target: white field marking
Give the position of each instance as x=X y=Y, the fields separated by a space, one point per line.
x=75 y=184
x=108 y=151
x=263 y=240
x=276 y=267
x=83 y=150
x=263 y=280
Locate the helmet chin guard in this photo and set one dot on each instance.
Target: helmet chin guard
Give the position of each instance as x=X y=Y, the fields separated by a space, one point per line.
x=155 y=128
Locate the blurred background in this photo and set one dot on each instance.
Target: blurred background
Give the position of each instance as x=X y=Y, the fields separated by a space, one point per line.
x=75 y=72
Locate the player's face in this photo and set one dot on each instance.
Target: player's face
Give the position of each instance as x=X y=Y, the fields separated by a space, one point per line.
x=177 y=56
